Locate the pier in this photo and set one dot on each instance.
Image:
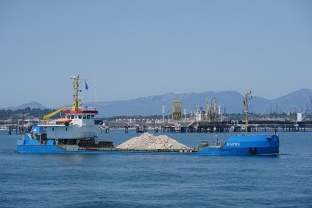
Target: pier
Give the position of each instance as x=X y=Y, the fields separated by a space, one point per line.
x=239 y=126
x=189 y=125
x=193 y=126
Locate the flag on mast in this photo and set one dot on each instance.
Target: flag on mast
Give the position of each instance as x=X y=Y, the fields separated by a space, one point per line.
x=86 y=86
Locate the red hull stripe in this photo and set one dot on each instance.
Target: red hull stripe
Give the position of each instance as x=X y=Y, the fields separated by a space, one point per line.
x=80 y=111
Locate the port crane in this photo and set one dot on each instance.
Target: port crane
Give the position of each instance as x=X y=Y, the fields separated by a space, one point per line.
x=48 y=116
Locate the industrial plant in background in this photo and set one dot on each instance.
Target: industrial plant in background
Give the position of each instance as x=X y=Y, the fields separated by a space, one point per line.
x=199 y=114
x=176 y=110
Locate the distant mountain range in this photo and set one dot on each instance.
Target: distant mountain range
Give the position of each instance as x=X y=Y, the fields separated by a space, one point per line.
x=31 y=105
x=229 y=102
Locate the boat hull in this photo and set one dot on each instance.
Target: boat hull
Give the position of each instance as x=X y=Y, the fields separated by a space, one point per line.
x=38 y=149
x=235 y=145
x=29 y=145
x=53 y=149
x=245 y=145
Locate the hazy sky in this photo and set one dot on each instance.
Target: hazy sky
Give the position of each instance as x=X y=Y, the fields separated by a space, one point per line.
x=130 y=49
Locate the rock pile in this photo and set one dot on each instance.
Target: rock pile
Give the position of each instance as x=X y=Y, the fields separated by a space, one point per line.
x=150 y=142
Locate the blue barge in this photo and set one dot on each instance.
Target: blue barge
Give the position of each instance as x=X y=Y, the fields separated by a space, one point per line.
x=77 y=133
x=242 y=145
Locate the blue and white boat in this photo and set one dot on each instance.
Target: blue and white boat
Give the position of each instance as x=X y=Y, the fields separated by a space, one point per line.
x=73 y=133
x=77 y=133
x=247 y=144
x=242 y=145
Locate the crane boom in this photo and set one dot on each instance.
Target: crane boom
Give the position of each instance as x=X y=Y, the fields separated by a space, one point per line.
x=46 y=117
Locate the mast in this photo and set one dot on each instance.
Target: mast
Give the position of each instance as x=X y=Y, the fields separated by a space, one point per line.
x=245 y=102
x=76 y=99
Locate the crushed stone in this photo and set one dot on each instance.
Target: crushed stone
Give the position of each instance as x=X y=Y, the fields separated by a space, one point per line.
x=148 y=141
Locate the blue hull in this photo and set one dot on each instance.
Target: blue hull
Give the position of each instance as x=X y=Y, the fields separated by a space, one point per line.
x=245 y=145
x=235 y=145
x=28 y=145
x=39 y=149
x=33 y=146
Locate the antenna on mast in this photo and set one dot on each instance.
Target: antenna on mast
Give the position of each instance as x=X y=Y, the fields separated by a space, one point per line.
x=76 y=99
x=246 y=104
x=95 y=93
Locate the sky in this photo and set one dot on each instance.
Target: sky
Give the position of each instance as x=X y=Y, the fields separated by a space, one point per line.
x=131 y=49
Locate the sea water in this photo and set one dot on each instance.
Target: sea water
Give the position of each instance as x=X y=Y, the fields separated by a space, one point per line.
x=158 y=180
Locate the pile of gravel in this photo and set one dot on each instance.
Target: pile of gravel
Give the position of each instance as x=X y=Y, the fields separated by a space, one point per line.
x=150 y=142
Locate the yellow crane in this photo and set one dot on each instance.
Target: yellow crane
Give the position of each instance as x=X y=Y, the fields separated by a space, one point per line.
x=46 y=117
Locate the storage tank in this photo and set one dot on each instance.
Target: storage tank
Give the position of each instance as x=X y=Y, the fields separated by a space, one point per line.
x=299 y=117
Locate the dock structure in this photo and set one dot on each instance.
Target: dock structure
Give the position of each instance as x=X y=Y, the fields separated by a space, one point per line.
x=22 y=126
x=239 y=126
x=16 y=129
x=193 y=126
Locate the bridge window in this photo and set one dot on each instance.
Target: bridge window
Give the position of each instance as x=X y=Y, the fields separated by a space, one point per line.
x=88 y=116
x=84 y=117
x=80 y=116
x=92 y=116
x=72 y=116
x=52 y=129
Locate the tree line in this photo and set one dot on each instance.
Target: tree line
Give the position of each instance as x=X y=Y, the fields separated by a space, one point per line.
x=26 y=113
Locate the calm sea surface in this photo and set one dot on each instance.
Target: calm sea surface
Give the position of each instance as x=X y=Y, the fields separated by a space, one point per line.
x=154 y=180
